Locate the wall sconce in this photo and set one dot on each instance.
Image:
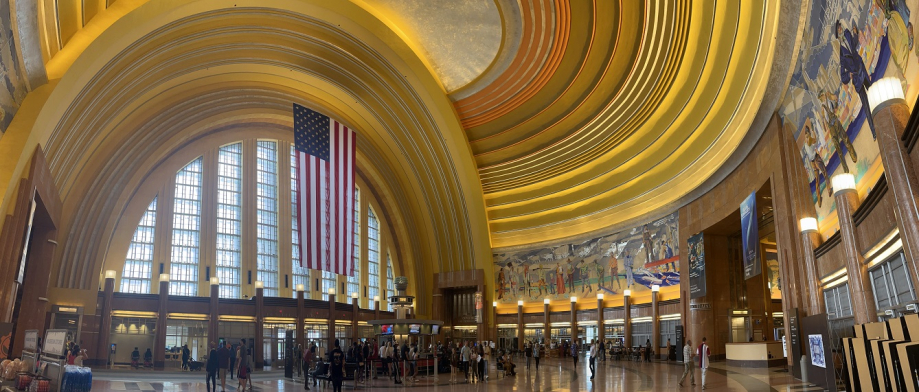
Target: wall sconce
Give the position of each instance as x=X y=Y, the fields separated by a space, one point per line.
x=331 y=291
x=655 y=288
x=164 y=277
x=259 y=284
x=884 y=90
x=376 y=298
x=354 y=295
x=808 y=225
x=574 y=299
x=627 y=293
x=520 y=302
x=110 y=274
x=546 y=301
x=844 y=182
x=215 y=281
x=300 y=287
x=600 y=296
x=494 y=304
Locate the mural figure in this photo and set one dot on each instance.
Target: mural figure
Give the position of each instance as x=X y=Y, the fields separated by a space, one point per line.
x=12 y=78
x=629 y=269
x=852 y=68
x=829 y=102
x=614 y=271
x=559 y=279
x=818 y=167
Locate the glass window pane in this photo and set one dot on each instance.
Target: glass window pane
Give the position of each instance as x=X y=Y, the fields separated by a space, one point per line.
x=186 y=228
x=267 y=215
x=229 y=219
x=138 y=265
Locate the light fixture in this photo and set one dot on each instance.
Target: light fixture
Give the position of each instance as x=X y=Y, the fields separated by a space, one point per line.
x=353 y=295
x=600 y=296
x=844 y=182
x=259 y=284
x=520 y=302
x=494 y=304
x=215 y=281
x=164 y=277
x=627 y=293
x=376 y=298
x=300 y=287
x=331 y=291
x=884 y=90
x=546 y=301
x=655 y=288
x=574 y=299
x=808 y=225
x=110 y=274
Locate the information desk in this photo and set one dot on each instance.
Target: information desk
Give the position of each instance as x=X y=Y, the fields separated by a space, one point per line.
x=754 y=354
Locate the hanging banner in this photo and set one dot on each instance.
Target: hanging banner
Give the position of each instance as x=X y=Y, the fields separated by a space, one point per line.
x=750 y=235
x=478 y=308
x=696 y=266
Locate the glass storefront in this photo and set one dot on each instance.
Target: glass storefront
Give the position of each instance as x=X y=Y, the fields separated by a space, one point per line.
x=343 y=334
x=507 y=338
x=615 y=332
x=274 y=343
x=317 y=333
x=185 y=332
x=533 y=334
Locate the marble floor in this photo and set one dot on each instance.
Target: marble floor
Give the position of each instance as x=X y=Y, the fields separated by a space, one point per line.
x=553 y=375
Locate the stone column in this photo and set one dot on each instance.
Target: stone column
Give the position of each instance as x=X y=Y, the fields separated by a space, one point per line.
x=438 y=305
x=626 y=303
x=601 y=328
x=890 y=118
x=105 y=323
x=159 y=348
x=259 y=325
x=301 y=300
x=212 y=333
x=494 y=316
x=863 y=306
x=810 y=239
x=330 y=342
x=547 y=331
x=376 y=307
x=355 y=310
x=655 y=319
x=574 y=319
x=520 y=325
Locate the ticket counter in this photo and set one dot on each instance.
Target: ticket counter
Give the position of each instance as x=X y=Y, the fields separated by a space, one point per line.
x=754 y=354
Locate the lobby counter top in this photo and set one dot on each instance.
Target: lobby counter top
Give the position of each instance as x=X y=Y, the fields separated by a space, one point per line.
x=754 y=354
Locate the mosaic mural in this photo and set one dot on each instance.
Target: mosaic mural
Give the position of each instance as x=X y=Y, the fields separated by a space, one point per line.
x=12 y=79
x=632 y=259
x=847 y=46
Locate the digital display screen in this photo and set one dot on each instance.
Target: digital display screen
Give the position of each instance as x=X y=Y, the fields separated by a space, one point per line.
x=386 y=329
x=435 y=329
x=414 y=328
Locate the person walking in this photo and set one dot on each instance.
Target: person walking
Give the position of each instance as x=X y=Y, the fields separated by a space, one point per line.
x=536 y=348
x=336 y=367
x=185 y=354
x=487 y=357
x=242 y=373
x=687 y=364
x=223 y=362
x=592 y=359
x=211 y=367
x=233 y=355
x=574 y=353
x=464 y=359
x=308 y=355
x=648 y=351
x=703 y=354
x=528 y=352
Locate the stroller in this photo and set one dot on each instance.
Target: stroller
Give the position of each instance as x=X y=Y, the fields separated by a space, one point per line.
x=194 y=365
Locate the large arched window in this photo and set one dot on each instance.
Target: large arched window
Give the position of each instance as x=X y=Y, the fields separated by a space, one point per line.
x=267 y=215
x=138 y=266
x=186 y=230
x=354 y=281
x=373 y=255
x=229 y=218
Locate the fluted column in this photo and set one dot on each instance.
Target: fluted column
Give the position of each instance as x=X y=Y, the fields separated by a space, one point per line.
x=520 y=325
x=626 y=303
x=105 y=324
x=494 y=313
x=376 y=307
x=259 y=325
x=330 y=342
x=601 y=328
x=863 y=305
x=355 y=309
x=890 y=118
x=214 y=318
x=655 y=319
x=159 y=348
x=547 y=331
x=574 y=319
x=301 y=300
x=810 y=239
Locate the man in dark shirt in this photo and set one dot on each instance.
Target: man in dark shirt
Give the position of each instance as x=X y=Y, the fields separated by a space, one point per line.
x=336 y=367
x=185 y=354
x=223 y=363
x=211 y=367
x=232 y=361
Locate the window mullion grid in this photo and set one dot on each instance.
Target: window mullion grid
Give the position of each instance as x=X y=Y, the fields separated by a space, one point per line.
x=301 y=275
x=267 y=216
x=186 y=232
x=138 y=266
x=229 y=219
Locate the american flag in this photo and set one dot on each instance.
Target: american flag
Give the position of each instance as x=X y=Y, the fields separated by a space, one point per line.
x=325 y=191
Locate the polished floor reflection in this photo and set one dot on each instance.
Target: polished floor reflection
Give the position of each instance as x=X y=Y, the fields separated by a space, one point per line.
x=553 y=375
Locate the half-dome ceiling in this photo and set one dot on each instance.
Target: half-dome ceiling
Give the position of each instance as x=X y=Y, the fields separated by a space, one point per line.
x=579 y=115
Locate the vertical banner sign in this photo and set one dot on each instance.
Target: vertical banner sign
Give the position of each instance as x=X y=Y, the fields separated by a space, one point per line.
x=696 y=266
x=679 y=343
x=750 y=231
x=478 y=308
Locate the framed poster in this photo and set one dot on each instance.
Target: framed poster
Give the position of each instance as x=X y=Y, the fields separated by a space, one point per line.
x=749 y=227
x=818 y=357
